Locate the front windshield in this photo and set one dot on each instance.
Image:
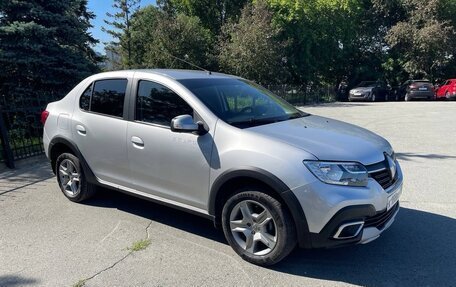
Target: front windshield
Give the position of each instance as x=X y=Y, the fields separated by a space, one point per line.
x=241 y=103
x=367 y=84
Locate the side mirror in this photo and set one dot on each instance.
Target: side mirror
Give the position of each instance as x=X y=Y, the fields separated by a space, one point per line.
x=185 y=124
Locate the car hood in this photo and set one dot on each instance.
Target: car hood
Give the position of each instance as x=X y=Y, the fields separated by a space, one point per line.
x=362 y=89
x=328 y=139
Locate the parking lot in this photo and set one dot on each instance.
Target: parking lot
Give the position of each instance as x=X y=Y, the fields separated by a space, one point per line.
x=45 y=240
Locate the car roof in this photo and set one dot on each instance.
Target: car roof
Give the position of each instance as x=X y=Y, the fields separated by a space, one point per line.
x=178 y=74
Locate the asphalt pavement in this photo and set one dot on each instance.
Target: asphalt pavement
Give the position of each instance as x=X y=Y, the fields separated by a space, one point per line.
x=118 y=240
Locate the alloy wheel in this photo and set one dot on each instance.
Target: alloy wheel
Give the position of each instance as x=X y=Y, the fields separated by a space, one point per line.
x=253 y=227
x=69 y=178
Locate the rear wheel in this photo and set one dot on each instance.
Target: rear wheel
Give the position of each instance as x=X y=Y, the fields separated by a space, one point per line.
x=258 y=227
x=447 y=95
x=407 y=98
x=71 y=178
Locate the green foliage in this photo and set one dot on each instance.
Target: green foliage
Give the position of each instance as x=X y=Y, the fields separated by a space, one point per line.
x=251 y=48
x=425 y=37
x=45 y=47
x=213 y=14
x=120 y=30
x=158 y=36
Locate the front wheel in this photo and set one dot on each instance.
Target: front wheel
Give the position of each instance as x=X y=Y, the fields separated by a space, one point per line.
x=258 y=227
x=407 y=98
x=374 y=97
x=71 y=178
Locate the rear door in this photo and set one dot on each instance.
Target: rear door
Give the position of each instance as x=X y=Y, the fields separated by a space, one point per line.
x=99 y=128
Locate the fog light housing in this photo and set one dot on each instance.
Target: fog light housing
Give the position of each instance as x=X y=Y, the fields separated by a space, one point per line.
x=349 y=230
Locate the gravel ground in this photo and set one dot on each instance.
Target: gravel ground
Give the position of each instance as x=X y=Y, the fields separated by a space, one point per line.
x=45 y=240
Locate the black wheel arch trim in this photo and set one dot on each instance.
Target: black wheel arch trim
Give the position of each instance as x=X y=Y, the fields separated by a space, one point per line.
x=90 y=176
x=297 y=213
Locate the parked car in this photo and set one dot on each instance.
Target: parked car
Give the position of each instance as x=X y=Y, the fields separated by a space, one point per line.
x=447 y=90
x=222 y=147
x=415 y=89
x=369 y=91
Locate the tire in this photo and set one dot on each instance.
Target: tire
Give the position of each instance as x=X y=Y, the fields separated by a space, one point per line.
x=407 y=98
x=374 y=97
x=269 y=224
x=447 y=96
x=68 y=168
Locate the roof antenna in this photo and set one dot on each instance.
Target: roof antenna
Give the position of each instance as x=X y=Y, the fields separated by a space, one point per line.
x=189 y=63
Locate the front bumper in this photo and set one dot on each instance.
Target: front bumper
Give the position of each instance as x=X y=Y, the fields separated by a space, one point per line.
x=328 y=207
x=359 y=97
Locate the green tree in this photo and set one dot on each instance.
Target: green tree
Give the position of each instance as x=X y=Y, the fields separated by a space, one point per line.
x=425 y=37
x=45 y=47
x=120 y=29
x=323 y=35
x=213 y=14
x=250 y=48
x=158 y=38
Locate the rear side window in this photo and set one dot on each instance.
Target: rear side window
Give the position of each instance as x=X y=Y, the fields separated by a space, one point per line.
x=157 y=104
x=108 y=97
x=105 y=97
x=84 y=101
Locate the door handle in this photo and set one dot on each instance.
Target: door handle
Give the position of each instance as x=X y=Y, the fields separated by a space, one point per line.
x=137 y=142
x=81 y=130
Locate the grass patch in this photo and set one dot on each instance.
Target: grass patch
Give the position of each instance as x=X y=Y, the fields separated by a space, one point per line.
x=80 y=283
x=139 y=245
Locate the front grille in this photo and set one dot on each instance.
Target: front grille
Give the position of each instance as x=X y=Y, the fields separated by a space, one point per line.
x=380 y=171
x=380 y=219
x=383 y=177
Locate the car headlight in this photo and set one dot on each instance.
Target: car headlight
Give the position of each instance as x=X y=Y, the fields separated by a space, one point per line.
x=340 y=173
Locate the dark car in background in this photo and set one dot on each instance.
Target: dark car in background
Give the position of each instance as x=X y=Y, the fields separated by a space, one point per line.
x=415 y=89
x=369 y=91
x=447 y=90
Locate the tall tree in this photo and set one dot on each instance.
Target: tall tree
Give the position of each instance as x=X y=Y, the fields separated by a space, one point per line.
x=45 y=47
x=425 y=37
x=212 y=13
x=159 y=37
x=250 y=48
x=121 y=29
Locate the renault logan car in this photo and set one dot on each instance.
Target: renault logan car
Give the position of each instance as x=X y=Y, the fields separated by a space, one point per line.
x=273 y=177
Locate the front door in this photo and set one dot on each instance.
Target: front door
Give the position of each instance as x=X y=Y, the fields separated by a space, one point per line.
x=163 y=163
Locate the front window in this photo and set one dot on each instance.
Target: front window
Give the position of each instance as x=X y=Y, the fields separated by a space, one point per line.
x=157 y=104
x=241 y=103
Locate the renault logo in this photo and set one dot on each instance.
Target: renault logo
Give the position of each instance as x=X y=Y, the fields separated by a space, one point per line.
x=391 y=165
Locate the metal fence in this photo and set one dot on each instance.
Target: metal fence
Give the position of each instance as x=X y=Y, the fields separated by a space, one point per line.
x=20 y=127
x=21 y=130
x=304 y=95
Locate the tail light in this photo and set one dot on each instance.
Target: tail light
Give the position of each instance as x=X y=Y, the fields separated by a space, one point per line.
x=44 y=116
x=413 y=86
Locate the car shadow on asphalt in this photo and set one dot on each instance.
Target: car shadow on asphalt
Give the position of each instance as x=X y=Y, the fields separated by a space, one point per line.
x=16 y=280
x=409 y=156
x=158 y=213
x=418 y=250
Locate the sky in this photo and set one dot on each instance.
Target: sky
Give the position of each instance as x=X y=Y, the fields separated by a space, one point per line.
x=100 y=7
